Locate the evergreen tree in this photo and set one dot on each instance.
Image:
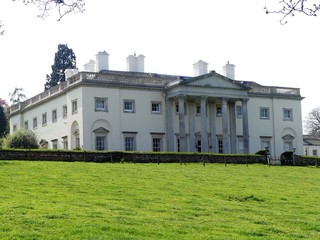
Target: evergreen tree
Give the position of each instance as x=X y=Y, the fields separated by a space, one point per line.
x=63 y=59
x=3 y=122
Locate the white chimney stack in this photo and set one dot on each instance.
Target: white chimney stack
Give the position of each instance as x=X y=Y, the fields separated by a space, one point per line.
x=228 y=70
x=200 y=68
x=135 y=63
x=90 y=66
x=70 y=72
x=102 y=61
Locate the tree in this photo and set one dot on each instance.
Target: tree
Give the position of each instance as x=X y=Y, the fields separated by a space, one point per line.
x=17 y=96
x=63 y=7
x=312 y=123
x=3 y=122
x=291 y=7
x=4 y=126
x=63 y=59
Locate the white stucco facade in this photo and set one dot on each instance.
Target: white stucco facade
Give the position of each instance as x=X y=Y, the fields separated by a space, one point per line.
x=115 y=110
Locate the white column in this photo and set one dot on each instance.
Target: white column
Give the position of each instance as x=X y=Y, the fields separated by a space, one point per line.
x=204 y=132
x=212 y=123
x=169 y=125
x=233 y=132
x=245 y=126
x=225 y=139
x=192 y=141
x=182 y=127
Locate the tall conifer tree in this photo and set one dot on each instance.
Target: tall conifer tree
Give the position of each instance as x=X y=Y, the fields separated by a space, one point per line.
x=63 y=59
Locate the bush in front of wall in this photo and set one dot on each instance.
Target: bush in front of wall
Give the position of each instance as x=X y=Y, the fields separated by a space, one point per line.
x=21 y=139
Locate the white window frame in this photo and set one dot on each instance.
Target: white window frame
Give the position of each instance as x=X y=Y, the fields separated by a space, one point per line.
x=264 y=113
x=129 y=146
x=240 y=145
x=100 y=104
x=35 y=123
x=26 y=125
x=218 y=110
x=156 y=107
x=239 y=111
x=44 y=119
x=101 y=142
x=287 y=114
x=126 y=104
x=156 y=142
x=65 y=111
x=54 y=115
x=54 y=143
x=74 y=104
x=65 y=142
x=198 y=110
x=314 y=152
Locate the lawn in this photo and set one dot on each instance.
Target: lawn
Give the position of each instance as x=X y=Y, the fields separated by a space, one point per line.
x=59 y=200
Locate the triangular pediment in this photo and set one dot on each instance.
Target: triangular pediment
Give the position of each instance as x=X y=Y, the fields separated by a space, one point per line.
x=101 y=130
x=214 y=80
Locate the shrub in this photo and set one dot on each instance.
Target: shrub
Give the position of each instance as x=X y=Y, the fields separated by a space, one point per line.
x=24 y=139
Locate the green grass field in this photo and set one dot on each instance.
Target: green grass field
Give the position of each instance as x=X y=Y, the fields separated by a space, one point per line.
x=57 y=200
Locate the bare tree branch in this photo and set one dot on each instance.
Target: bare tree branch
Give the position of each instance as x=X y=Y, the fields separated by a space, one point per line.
x=63 y=6
x=312 y=123
x=1 y=27
x=290 y=7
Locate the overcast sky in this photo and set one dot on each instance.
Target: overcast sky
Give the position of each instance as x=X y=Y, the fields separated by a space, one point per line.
x=172 y=34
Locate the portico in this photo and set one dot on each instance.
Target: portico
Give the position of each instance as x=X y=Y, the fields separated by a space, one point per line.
x=201 y=113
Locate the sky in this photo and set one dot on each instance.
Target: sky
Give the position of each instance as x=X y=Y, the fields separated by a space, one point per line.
x=172 y=35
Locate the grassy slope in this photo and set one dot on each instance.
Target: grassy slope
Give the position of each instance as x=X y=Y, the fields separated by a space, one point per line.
x=53 y=200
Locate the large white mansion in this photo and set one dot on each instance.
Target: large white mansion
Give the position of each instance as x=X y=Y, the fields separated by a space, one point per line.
x=100 y=109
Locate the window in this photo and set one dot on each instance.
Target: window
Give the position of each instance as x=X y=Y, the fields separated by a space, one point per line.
x=129 y=141
x=314 y=152
x=264 y=113
x=198 y=110
x=287 y=146
x=239 y=111
x=220 y=146
x=26 y=125
x=74 y=106
x=128 y=106
x=65 y=142
x=44 y=119
x=288 y=142
x=129 y=144
x=155 y=107
x=65 y=111
x=101 y=138
x=54 y=115
x=265 y=143
x=219 y=110
x=14 y=127
x=78 y=142
x=240 y=145
x=100 y=143
x=156 y=144
x=35 y=123
x=100 y=104
x=287 y=114
x=55 y=144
